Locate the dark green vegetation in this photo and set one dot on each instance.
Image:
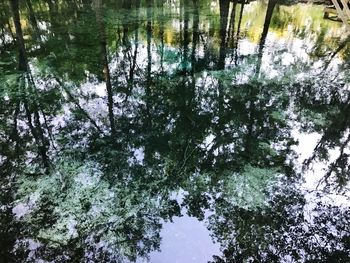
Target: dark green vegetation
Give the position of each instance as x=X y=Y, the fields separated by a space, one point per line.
x=108 y=108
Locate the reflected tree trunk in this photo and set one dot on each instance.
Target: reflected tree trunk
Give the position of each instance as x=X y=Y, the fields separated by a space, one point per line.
x=149 y=42
x=236 y=39
x=32 y=19
x=181 y=19
x=161 y=33
x=186 y=36
x=37 y=131
x=104 y=60
x=231 y=30
x=148 y=99
x=149 y=32
x=125 y=39
x=23 y=67
x=224 y=12
x=22 y=57
x=240 y=20
x=195 y=40
x=136 y=45
x=269 y=12
x=195 y=36
x=249 y=146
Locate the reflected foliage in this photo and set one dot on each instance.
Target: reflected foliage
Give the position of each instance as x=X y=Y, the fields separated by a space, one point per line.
x=282 y=231
x=110 y=108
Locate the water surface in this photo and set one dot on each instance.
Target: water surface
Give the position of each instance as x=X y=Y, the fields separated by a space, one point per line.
x=173 y=131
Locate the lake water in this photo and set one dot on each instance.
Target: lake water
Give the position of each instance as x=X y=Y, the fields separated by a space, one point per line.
x=173 y=131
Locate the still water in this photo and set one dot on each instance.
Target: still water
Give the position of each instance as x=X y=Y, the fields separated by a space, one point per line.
x=173 y=131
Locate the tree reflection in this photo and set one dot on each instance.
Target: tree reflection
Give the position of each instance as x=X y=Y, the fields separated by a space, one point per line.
x=281 y=231
x=182 y=117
